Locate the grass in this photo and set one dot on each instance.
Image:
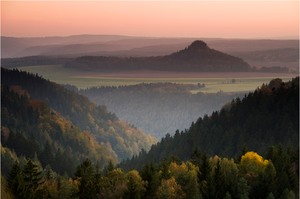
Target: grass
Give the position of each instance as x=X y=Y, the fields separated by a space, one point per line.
x=62 y=75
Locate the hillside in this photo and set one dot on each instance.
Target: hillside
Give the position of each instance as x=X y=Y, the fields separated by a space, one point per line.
x=268 y=116
x=103 y=126
x=159 y=108
x=196 y=57
x=31 y=129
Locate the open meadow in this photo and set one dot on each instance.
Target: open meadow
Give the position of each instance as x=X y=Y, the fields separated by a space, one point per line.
x=214 y=82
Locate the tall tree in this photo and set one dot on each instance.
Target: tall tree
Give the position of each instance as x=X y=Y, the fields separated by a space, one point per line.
x=16 y=180
x=32 y=178
x=86 y=174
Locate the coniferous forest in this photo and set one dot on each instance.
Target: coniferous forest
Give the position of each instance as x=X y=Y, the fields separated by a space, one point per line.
x=55 y=143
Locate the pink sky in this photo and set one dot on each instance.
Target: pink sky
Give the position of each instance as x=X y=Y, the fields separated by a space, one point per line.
x=223 y=19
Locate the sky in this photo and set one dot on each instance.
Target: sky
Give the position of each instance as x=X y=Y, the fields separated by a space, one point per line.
x=212 y=19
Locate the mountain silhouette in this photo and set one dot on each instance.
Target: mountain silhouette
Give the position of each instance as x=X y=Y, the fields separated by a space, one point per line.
x=197 y=57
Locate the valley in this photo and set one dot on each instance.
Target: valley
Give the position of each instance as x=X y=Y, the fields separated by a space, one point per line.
x=149 y=99
x=69 y=146
x=165 y=128
x=177 y=115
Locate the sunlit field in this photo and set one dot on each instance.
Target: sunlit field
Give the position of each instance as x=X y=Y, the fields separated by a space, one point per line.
x=233 y=82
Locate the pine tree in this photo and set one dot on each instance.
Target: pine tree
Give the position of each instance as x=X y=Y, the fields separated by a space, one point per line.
x=16 y=180
x=86 y=174
x=32 y=178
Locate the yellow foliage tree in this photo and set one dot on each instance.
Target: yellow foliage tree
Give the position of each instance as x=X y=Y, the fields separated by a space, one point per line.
x=169 y=189
x=253 y=163
x=186 y=176
x=135 y=185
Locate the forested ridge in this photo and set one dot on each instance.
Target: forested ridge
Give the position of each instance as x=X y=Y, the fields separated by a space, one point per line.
x=39 y=114
x=30 y=129
x=268 y=116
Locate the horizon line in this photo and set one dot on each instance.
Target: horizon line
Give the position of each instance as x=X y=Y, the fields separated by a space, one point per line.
x=295 y=37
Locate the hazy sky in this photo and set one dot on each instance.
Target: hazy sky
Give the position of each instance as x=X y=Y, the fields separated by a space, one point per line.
x=226 y=19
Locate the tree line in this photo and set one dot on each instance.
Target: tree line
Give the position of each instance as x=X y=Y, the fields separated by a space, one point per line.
x=248 y=176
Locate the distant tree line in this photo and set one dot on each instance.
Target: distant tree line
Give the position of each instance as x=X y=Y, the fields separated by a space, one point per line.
x=33 y=61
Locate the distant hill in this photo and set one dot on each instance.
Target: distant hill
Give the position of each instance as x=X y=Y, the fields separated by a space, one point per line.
x=67 y=112
x=78 y=45
x=66 y=47
x=269 y=116
x=32 y=46
x=196 y=57
x=118 y=45
x=199 y=57
x=282 y=57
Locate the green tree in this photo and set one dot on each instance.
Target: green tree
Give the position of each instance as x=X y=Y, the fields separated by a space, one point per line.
x=32 y=178
x=151 y=176
x=86 y=174
x=16 y=180
x=204 y=172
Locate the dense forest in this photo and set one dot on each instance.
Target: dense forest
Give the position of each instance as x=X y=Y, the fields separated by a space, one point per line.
x=29 y=128
x=196 y=57
x=43 y=120
x=158 y=108
x=268 y=116
x=200 y=177
x=55 y=143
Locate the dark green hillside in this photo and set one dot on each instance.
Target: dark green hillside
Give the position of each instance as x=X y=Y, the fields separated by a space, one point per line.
x=124 y=139
x=266 y=117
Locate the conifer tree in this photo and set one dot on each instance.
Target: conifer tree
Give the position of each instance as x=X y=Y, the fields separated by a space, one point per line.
x=32 y=178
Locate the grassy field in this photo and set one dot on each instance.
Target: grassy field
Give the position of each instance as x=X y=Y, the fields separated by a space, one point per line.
x=232 y=82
